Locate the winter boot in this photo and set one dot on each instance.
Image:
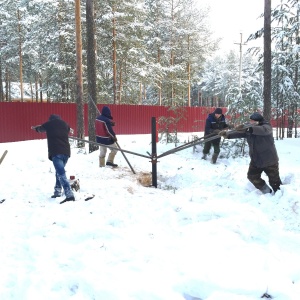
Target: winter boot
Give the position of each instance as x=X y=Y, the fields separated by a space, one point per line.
x=71 y=198
x=265 y=189
x=57 y=190
x=55 y=196
x=110 y=160
x=101 y=162
x=214 y=158
x=204 y=156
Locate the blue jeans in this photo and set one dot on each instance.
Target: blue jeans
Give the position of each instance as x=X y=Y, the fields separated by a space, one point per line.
x=59 y=162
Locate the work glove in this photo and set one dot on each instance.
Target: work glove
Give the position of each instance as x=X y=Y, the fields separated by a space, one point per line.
x=240 y=127
x=216 y=131
x=35 y=128
x=112 y=123
x=114 y=138
x=223 y=134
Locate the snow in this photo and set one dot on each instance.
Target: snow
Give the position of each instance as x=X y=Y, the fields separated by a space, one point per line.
x=28 y=91
x=204 y=233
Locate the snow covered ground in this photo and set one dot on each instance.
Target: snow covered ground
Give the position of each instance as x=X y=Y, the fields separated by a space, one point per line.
x=205 y=232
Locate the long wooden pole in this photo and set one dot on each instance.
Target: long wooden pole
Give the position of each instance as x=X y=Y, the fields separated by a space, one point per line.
x=3 y=156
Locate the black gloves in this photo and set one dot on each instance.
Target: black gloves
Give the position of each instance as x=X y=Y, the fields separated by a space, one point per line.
x=223 y=134
x=239 y=127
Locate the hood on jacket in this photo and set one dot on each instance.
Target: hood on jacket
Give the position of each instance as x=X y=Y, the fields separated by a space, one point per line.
x=106 y=112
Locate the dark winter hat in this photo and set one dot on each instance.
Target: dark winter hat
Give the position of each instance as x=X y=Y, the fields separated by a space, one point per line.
x=218 y=111
x=54 y=117
x=256 y=117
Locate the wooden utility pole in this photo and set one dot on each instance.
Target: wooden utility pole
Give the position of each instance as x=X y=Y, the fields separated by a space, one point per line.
x=79 y=88
x=240 y=64
x=267 y=60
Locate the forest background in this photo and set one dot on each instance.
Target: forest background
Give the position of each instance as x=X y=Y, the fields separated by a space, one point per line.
x=153 y=52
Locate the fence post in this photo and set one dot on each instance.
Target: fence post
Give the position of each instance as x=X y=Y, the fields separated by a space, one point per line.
x=154 y=152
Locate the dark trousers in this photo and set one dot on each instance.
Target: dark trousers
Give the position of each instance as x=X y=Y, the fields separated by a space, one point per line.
x=208 y=145
x=254 y=176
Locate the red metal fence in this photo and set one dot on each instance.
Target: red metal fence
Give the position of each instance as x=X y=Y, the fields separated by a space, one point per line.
x=16 y=119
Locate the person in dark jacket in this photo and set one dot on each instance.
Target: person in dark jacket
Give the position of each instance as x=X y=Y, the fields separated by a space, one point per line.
x=215 y=123
x=59 y=152
x=105 y=135
x=262 y=152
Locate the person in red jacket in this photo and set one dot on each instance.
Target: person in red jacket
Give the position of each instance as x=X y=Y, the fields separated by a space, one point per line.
x=59 y=152
x=105 y=135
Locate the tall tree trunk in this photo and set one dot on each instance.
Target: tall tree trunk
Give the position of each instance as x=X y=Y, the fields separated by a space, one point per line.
x=294 y=116
x=158 y=61
x=7 y=85
x=47 y=93
x=91 y=72
x=159 y=83
x=79 y=88
x=267 y=60
x=61 y=41
x=41 y=85
x=120 y=84
x=172 y=55
x=36 y=89
x=114 y=58
x=20 y=56
x=31 y=91
x=1 y=82
x=141 y=93
x=189 y=76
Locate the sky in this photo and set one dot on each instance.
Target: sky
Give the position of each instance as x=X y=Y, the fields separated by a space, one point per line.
x=228 y=19
x=205 y=233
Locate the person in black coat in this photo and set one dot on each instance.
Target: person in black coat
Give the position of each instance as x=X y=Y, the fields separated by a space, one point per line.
x=215 y=122
x=59 y=152
x=262 y=152
x=105 y=135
